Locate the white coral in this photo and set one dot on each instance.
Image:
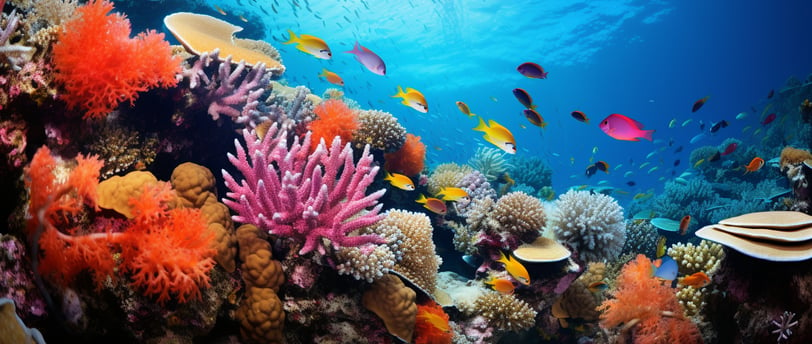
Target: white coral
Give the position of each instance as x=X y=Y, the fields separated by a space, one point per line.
x=592 y=223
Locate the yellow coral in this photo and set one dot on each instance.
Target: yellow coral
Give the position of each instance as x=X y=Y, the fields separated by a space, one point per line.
x=793 y=156
x=260 y=314
x=692 y=259
x=116 y=192
x=194 y=183
x=505 y=312
x=691 y=299
x=445 y=175
x=394 y=303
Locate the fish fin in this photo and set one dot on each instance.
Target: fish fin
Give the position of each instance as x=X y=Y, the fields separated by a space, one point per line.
x=481 y=126
x=647 y=134
x=422 y=199
x=293 y=39
x=502 y=258
x=401 y=94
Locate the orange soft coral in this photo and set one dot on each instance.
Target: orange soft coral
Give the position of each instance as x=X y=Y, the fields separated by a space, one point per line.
x=642 y=297
x=335 y=119
x=100 y=66
x=409 y=159
x=431 y=326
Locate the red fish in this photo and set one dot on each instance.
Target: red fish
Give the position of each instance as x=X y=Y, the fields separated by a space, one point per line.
x=730 y=148
x=754 y=165
x=434 y=205
x=624 y=128
x=698 y=104
x=523 y=97
x=683 y=224
x=532 y=70
x=697 y=280
x=767 y=120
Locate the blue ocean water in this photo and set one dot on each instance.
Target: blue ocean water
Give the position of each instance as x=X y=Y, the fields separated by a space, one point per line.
x=648 y=60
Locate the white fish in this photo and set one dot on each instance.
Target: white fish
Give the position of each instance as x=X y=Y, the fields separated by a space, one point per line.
x=680 y=180
x=627 y=174
x=741 y=115
x=618 y=166
x=644 y=164
x=603 y=181
x=651 y=154
x=698 y=137
x=672 y=123
x=653 y=169
x=687 y=121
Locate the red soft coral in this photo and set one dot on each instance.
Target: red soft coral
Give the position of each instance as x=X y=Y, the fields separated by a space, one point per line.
x=335 y=119
x=642 y=297
x=431 y=325
x=409 y=159
x=100 y=66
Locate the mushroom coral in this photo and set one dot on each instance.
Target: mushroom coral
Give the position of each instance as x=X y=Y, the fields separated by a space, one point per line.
x=100 y=66
x=643 y=303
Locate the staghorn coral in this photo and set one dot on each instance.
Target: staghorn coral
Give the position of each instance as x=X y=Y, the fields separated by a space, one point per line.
x=122 y=149
x=705 y=257
x=370 y=262
x=394 y=303
x=491 y=162
x=303 y=197
x=504 y=312
x=100 y=66
x=15 y=55
x=692 y=301
x=445 y=175
x=464 y=240
x=646 y=305
x=380 y=130
x=592 y=223
x=641 y=237
x=409 y=159
x=260 y=314
x=335 y=119
x=420 y=263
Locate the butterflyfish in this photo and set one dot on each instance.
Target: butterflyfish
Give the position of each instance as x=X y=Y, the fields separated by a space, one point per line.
x=514 y=268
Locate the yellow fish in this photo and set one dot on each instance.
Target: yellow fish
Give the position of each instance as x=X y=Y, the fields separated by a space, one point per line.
x=515 y=269
x=661 y=247
x=310 y=44
x=452 y=194
x=331 y=77
x=399 y=181
x=413 y=99
x=501 y=285
x=699 y=162
x=464 y=109
x=498 y=135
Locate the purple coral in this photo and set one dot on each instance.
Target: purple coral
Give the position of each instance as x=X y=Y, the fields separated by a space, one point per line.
x=301 y=196
x=785 y=325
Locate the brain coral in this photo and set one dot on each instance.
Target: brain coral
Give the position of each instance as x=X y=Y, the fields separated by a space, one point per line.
x=380 y=130
x=100 y=66
x=517 y=213
x=592 y=223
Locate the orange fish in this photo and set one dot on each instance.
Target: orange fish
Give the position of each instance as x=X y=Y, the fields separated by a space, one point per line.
x=684 y=223
x=598 y=286
x=697 y=280
x=331 y=77
x=220 y=10
x=501 y=285
x=754 y=165
x=434 y=205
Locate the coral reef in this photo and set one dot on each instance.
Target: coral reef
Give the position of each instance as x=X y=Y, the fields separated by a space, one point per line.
x=592 y=223
x=335 y=119
x=18 y=279
x=504 y=312
x=514 y=219
x=260 y=314
x=380 y=130
x=395 y=304
x=691 y=258
x=303 y=197
x=409 y=159
x=641 y=237
x=445 y=175
x=531 y=171
x=122 y=149
x=795 y=164
x=370 y=262
x=491 y=162
x=419 y=264
x=99 y=65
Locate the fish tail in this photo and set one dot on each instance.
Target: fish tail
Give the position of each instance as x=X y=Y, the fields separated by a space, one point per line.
x=481 y=126
x=502 y=258
x=647 y=134
x=401 y=94
x=293 y=38
x=422 y=199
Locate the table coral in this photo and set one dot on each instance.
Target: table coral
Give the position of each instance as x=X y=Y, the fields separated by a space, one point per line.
x=100 y=66
x=394 y=303
x=301 y=196
x=592 y=223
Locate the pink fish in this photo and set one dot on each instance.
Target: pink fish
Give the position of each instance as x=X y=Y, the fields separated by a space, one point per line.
x=372 y=61
x=730 y=148
x=768 y=119
x=624 y=128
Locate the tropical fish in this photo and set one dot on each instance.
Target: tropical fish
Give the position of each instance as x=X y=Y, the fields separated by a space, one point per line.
x=768 y=119
x=501 y=285
x=310 y=44
x=220 y=10
x=437 y=321
x=627 y=174
x=698 y=104
x=413 y=99
x=532 y=70
x=331 y=77
x=474 y=261
x=687 y=121
x=697 y=280
x=672 y=123
x=730 y=148
x=631 y=183
x=642 y=196
x=684 y=223
x=464 y=109
x=718 y=125
x=653 y=169
x=580 y=116
x=534 y=117
x=524 y=98
x=602 y=165
x=368 y=59
x=661 y=246
x=624 y=128
x=497 y=135
x=741 y=115
x=715 y=157
x=399 y=181
x=698 y=162
x=244 y=20
x=754 y=165
x=514 y=268
x=433 y=204
x=667 y=269
x=591 y=170
x=597 y=287
x=452 y=194
x=696 y=138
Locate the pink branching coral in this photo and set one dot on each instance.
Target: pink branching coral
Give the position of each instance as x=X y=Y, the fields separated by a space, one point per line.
x=302 y=196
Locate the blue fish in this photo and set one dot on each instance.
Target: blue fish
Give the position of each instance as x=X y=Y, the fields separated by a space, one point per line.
x=667 y=270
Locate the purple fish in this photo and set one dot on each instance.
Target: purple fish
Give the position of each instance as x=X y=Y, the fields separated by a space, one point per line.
x=372 y=61
x=532 y=70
